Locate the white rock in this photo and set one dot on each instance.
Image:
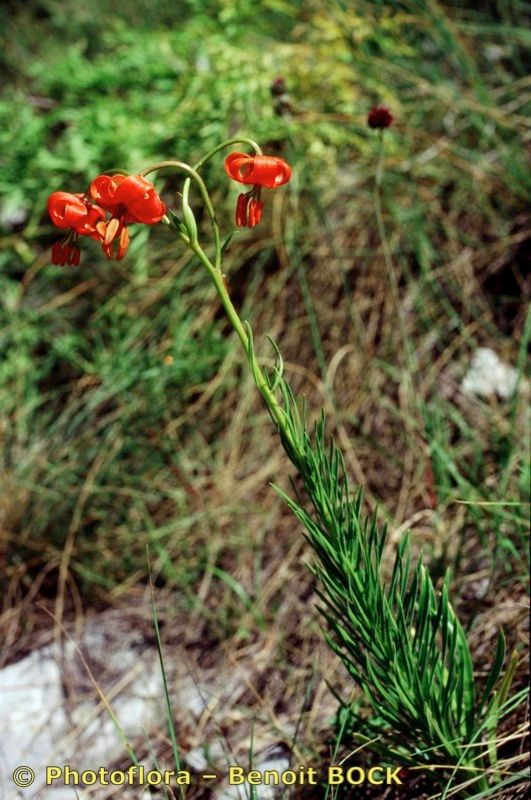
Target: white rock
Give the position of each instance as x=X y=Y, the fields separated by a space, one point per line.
x=488 y=376
x=32 y=717
x=44 y=723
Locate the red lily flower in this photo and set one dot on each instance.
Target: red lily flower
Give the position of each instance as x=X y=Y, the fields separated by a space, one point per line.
x=76 y=212
x=380 y=117
x=265 y=171
x=129 y=198
x=257 y=171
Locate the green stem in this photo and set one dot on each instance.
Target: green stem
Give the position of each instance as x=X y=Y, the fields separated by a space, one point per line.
x=227 y=143
x=389 y=265
x=194 y=175
x=259 y=378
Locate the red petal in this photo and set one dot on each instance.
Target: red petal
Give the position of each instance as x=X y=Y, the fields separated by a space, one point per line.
x=238 y=166
x=147 y=210
x=141 y=200
x=103 y=189
x=133 y=187
x=270 y=171
x=94 y=214
x=65 y=208
x=75 y=213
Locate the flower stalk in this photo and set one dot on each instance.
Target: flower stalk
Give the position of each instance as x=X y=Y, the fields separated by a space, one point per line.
x=242 y=331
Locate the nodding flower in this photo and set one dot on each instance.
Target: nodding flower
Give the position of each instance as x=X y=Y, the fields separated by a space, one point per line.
x=77 y=214
x=128 y=198
x=258 y=172
x=267 y=171
x=380 y=117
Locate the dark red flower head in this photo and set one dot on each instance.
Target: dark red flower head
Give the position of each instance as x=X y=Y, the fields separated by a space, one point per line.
x=380 y=117
x=278 y=86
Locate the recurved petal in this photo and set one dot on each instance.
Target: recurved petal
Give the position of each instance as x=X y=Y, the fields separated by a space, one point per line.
x=147 y=209
x=131 y=188
x=238 y=166
x=65 y=209
x=103 y=189
x=269 y=171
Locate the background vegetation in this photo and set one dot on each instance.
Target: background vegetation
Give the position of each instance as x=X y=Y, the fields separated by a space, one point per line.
x=126 y=414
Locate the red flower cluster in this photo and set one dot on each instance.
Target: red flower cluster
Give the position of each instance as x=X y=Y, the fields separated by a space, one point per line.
x=380 y=117
x=112 y=202
x=257 y=171
x=128 y=198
